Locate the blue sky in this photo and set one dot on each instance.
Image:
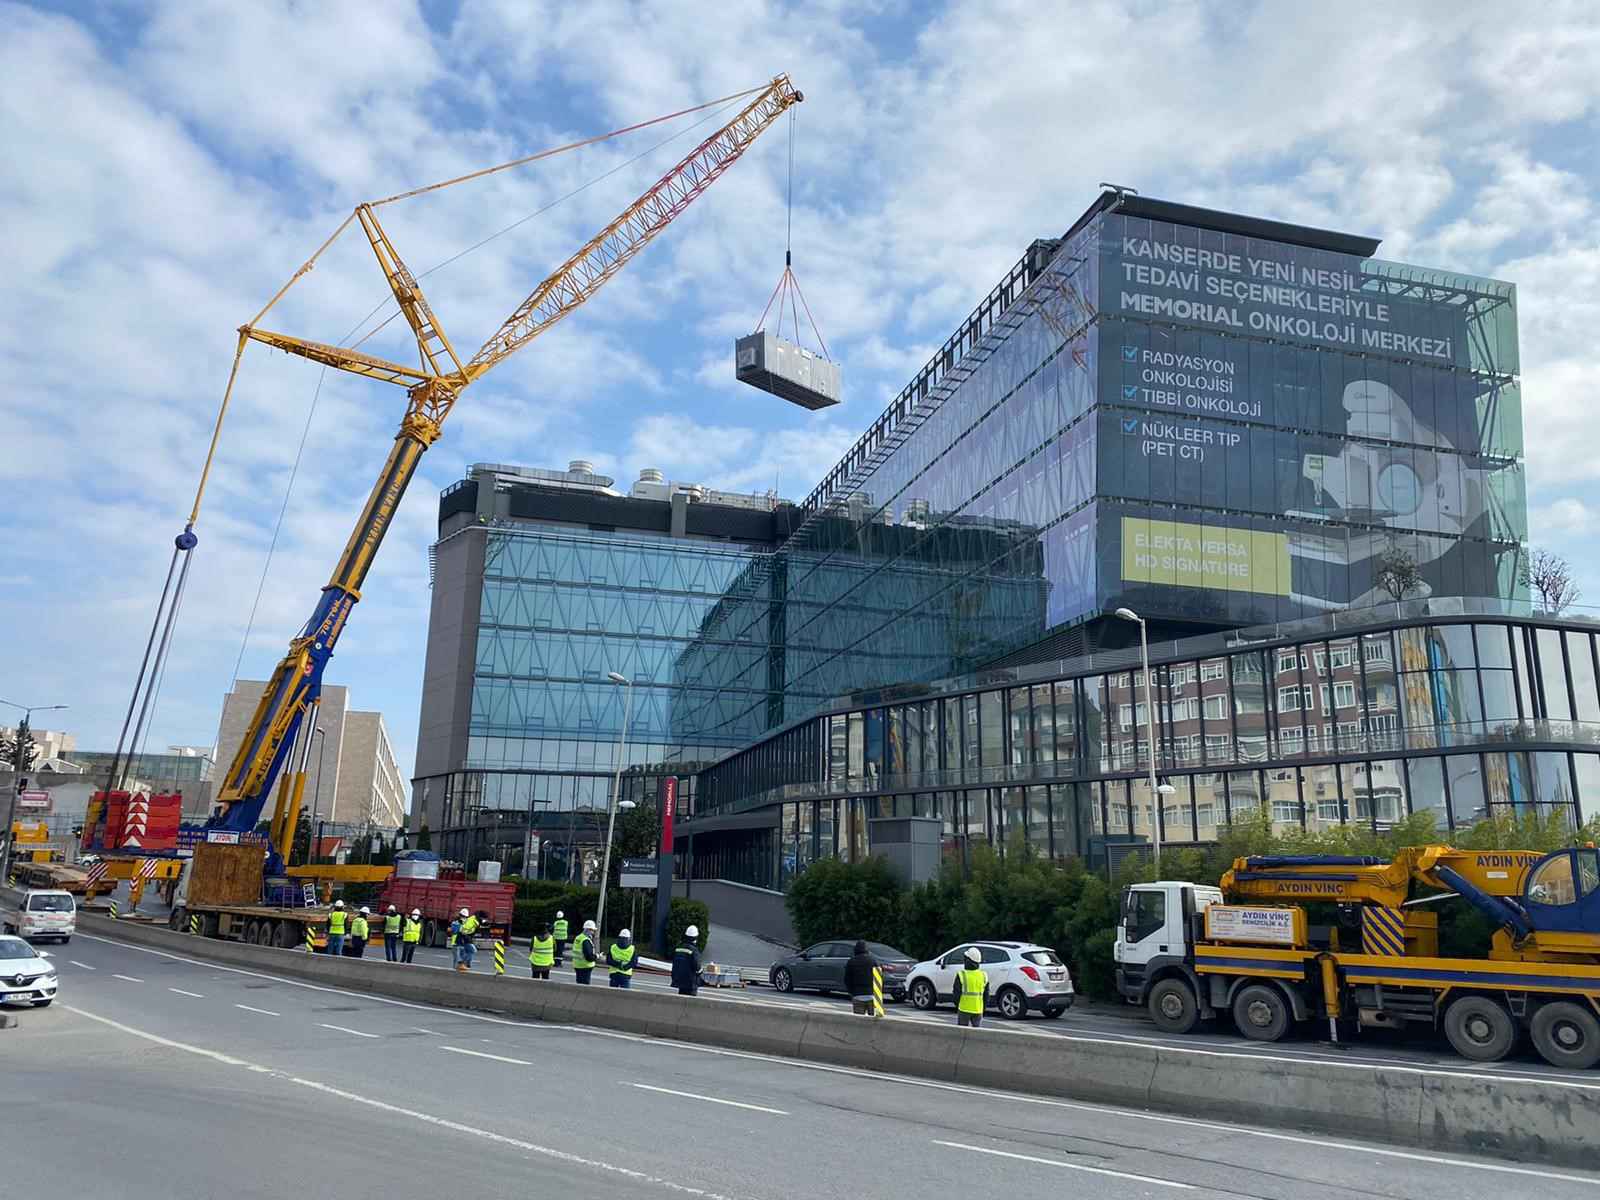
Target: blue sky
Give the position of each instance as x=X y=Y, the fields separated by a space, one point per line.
x=170 y=166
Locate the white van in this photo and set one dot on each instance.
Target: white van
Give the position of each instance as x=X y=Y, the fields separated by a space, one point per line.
x=38 y=913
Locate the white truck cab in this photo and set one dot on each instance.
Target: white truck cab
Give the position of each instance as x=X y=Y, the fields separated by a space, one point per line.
x=1155 y=943
x=38 y=913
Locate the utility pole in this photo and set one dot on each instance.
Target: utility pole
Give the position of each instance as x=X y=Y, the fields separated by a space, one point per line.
x=19 y=763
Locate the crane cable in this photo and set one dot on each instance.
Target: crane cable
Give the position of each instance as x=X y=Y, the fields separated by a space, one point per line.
x=788 y=289
x=346 y=342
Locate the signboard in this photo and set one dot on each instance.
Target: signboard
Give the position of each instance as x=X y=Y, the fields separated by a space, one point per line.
x=227 y=839
x=639 y=872
x=34 y=801
x=1261 y=926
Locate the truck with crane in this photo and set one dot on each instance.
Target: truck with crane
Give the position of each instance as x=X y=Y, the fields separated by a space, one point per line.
x=1190 y=953
x=271 y=762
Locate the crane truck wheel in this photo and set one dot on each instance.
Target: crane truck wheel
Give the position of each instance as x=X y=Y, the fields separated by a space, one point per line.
x=1566 y=1035
x=1261 y=1013
x=1173 y=1007
x=1480 y=1029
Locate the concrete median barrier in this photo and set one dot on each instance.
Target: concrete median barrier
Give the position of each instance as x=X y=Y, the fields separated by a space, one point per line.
x=1542 y=1120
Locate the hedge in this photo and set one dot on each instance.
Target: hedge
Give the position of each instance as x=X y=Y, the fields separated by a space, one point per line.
x=1022 y=897
x=581 y=903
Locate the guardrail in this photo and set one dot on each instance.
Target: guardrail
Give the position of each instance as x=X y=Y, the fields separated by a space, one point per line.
x=1547 y=1121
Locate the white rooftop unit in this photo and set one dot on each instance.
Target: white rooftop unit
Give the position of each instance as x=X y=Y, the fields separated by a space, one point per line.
x=788 y=371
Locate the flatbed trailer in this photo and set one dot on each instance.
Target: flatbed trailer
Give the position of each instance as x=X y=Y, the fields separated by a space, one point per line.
x=256 y=924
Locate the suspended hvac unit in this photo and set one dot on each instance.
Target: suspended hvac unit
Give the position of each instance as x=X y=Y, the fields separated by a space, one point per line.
x=792 y=372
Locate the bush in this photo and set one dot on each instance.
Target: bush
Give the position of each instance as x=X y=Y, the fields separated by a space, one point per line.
x=833 y=899
x=578 y=903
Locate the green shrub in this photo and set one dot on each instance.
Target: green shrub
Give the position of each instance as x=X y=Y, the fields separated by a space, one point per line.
x=833 y=899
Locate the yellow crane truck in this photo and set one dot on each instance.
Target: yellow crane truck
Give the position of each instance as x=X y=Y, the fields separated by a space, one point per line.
x=1190 y=953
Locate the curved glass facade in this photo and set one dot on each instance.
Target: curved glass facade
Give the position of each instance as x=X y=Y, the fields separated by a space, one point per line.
x=1354 y=718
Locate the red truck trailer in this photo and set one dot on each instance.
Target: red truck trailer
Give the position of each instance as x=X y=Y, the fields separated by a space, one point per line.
x=441 y=901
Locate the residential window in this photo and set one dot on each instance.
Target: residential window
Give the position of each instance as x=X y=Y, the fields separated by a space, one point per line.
x=1216 y=708
x=1293 y=699
x=1344 y=656
x=1213 y=668
x=1288 y=660
x=1375 y=648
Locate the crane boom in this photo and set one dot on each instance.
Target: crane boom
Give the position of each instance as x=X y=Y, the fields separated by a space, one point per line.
x=292 y=694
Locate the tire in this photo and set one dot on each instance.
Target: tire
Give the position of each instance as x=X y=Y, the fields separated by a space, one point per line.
x=1013 y=1005
x=1480 y=1029
x=1173 y=1007
x=430 y=933
x=782 y=980
x=43 y=1003
x=1566 y=1035
x=287 y=935
x=1054 y=1013
x=66 y=939
x=1261 y=1013
x=251 y=928
x=923 y=996
x=175 y=920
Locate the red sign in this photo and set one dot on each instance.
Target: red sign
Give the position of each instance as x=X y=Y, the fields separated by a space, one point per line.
x=669 y=805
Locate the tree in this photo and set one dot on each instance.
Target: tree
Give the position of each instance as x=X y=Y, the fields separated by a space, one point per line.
x=1397 y=572
x=1550 y=575
x=637 y=835
x=424 y=838
x=30 y=749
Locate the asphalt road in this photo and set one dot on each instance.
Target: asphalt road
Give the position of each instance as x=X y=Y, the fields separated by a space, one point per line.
x=154 y=1075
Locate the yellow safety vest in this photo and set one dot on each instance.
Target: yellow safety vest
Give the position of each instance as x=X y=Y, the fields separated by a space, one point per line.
x=622 y=963
x=559 y=930
x=583 y=953
x=336 y=922
x=543 y=952
x=973 y=982
x=391 y=923
x=412 y=931
x=358 y=929
x=469 y=927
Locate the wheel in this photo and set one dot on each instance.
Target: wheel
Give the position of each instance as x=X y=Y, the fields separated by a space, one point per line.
x=1013 y=1005
x=782 y=980
x=430 y=932
x=175 y=920
x=287 y=935
x=66 y=939
x=1054 y=1013
x=1173 y=1007
x=1480 y=1029
x=1261 y=1013
x=43 y=1003
x=1567 y=1035
x=250 y=929
x=923 y=995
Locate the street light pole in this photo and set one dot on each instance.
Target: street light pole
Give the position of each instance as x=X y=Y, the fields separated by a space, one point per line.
x=18 y=766
x=616 y=792
x=1156 y=792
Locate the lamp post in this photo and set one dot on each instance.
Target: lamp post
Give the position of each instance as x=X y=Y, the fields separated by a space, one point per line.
x=19 y=766
x=616 y=792
x=1165 y=789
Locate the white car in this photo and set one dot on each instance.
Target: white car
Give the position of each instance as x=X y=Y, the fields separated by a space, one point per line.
x=1023 y=978
x=26 y=974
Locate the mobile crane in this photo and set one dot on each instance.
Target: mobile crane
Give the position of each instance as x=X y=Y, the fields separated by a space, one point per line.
x=280 y=730
x=1190 y=953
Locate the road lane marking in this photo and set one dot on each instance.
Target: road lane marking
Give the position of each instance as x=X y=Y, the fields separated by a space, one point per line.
x=518 y=1062
x=265 y=1012
x=426 y=1118
x=129 y=978
x=342 y=1029
x=934 y=1085
x=777 y=1112
x=429 y=1032
x=85 y=966
x=181 y=992
x=1056 y=1162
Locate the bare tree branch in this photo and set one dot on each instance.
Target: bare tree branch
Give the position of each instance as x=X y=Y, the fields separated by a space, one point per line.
x=1550 y=575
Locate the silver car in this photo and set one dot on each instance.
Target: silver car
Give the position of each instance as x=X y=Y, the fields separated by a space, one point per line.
x=27 y=975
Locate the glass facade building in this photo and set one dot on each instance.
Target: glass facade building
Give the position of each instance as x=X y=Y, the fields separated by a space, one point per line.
x=1368 y=716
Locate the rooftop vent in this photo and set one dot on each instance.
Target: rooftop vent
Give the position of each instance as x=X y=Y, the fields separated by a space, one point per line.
x=581 y=466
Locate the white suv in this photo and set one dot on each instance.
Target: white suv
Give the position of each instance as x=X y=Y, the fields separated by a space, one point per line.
x=1022 y=978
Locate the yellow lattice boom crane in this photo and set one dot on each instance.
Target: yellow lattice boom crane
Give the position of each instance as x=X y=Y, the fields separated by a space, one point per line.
x=280 y=728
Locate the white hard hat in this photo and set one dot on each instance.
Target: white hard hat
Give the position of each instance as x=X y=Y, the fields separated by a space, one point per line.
x=338 y=903
x=416 y=912
x=391 y=908
x=465 y=913
x=588 y=925
x=974 y=954
x=559 y=914
x=626 y=933
x=692 y=932
x=365 y=911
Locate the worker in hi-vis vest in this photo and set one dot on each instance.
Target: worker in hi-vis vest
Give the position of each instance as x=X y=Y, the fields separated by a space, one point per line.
x=391 y=935
x=559 y=931
x=619 y=959
x=583 y=954
x=542 y=953
x=336 y=928
x=410 y=935
x=972 y=990
x=360 y=931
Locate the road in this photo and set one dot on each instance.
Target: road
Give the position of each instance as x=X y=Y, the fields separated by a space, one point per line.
x=156 y=1075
